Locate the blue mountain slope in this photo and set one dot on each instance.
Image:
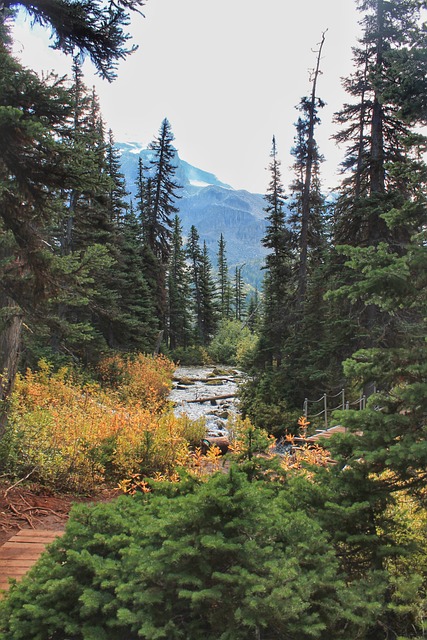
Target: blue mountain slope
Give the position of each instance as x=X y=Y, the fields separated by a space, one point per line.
x=213 y=207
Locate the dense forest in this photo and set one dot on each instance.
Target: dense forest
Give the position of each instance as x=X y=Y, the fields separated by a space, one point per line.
x=101 y=294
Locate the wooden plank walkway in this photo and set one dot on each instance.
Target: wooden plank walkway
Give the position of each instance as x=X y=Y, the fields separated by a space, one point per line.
x=19 y=553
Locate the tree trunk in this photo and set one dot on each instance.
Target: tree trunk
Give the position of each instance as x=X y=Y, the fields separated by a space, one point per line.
x=305 y=206
x=10 y=344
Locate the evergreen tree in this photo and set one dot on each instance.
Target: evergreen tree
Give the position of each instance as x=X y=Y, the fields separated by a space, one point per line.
x=194 y=255
x=84 y=325
x=134 y=327
x=384 y=146
x=248 y=563
x=164 y=193
x=153 y=269
x=34 y=166
x=203 y=289
x=278 y=265
x=34 y=161
x=118 y=193
x=178 y=292
x=208 y=305
x=306 y=188
x=239 y=303
x=89 y=28
x=224 y=286
x=253 y=315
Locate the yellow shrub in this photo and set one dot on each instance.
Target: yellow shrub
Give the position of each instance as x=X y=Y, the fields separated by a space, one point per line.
x=74 y=435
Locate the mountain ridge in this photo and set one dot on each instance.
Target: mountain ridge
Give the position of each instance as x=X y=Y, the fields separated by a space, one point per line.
x=213 y=207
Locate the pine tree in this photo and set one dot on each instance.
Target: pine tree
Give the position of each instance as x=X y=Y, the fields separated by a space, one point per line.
x=134 y=327
x=34 y=166
x=208 y=304
x=178 y=292
x=383 y=144
x=164 y=193
x=239 y=303
x=306 y=188
x=253 y=315
x=278 y=265
x=382 y=215
x=117 y=200
x=194 y=255
x=203 y=289
x=154 y=270
x=224 y=286
x=34 y=161
x=89 y=28
x=248 y=563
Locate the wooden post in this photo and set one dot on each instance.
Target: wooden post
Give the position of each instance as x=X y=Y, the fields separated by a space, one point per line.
x=325 y=404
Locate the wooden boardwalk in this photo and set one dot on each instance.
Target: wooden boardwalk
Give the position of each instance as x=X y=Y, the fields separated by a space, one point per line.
x=19 y=553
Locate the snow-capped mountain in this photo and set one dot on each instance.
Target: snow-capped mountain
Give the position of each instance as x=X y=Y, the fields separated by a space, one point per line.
x=213 y=207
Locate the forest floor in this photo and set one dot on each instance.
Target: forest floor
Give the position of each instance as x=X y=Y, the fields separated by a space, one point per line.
x=31 y=507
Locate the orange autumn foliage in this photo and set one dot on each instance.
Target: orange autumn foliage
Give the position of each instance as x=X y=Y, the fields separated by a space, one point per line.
x=73 y=435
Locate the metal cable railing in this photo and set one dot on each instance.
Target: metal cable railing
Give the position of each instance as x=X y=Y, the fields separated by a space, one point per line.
x=343 y=405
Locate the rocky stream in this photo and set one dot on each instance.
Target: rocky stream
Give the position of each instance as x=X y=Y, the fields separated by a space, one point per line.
x=207 y=392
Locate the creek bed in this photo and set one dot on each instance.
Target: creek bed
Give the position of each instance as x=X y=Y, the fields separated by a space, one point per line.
x=207 y=392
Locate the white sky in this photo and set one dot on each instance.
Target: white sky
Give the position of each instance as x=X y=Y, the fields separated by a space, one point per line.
x=227 y=75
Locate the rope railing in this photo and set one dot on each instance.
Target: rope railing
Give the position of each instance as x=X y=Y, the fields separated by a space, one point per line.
x=343 y=405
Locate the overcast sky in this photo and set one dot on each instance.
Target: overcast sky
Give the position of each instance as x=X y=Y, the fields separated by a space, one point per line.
x=227 y=75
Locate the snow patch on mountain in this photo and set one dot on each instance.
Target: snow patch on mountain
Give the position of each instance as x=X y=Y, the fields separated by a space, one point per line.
x=213 y=207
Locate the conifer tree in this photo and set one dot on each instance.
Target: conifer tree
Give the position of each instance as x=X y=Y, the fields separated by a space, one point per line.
x=224 y=286
x=87 y=28
x=203 y=289
x=208 y=304
x=383 y=143
x=306 y=187
x=117 y=200
x=34 y=166
x=153 y=270
x=278 y=265
x=239 y=303
x=34 y=161
x=134 y=326
x=253 y=315
x=194 y=255
x=178 y=291
x=164 y=193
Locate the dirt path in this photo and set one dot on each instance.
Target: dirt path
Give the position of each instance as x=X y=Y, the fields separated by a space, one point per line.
x=30 y=507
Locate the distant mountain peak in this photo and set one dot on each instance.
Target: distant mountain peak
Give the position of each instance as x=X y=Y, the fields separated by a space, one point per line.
x=214 y=208
x=189 y=177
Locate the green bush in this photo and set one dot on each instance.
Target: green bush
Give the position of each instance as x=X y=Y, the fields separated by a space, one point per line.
x=232 y=344
x=226 y=559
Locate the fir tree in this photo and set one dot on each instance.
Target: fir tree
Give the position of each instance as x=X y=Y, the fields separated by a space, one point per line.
x=208 y=305
x=239 y=303
x=89 y=28
x=383 y=144
x=278 y=265
x=164 y=193
x=178 y=292
x=34 y=166
x=224 y=286
x=134 y=327
x=118 y=193
x=306 y=188
x=194 y=255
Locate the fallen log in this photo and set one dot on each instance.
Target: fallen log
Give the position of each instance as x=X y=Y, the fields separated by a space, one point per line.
x=213 y=398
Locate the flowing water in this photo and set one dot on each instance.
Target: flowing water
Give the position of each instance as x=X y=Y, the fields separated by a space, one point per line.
x=215 y=383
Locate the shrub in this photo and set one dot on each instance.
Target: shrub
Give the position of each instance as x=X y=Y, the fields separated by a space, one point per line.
x=232 y=344
x=72 y=435
x=227 y=558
